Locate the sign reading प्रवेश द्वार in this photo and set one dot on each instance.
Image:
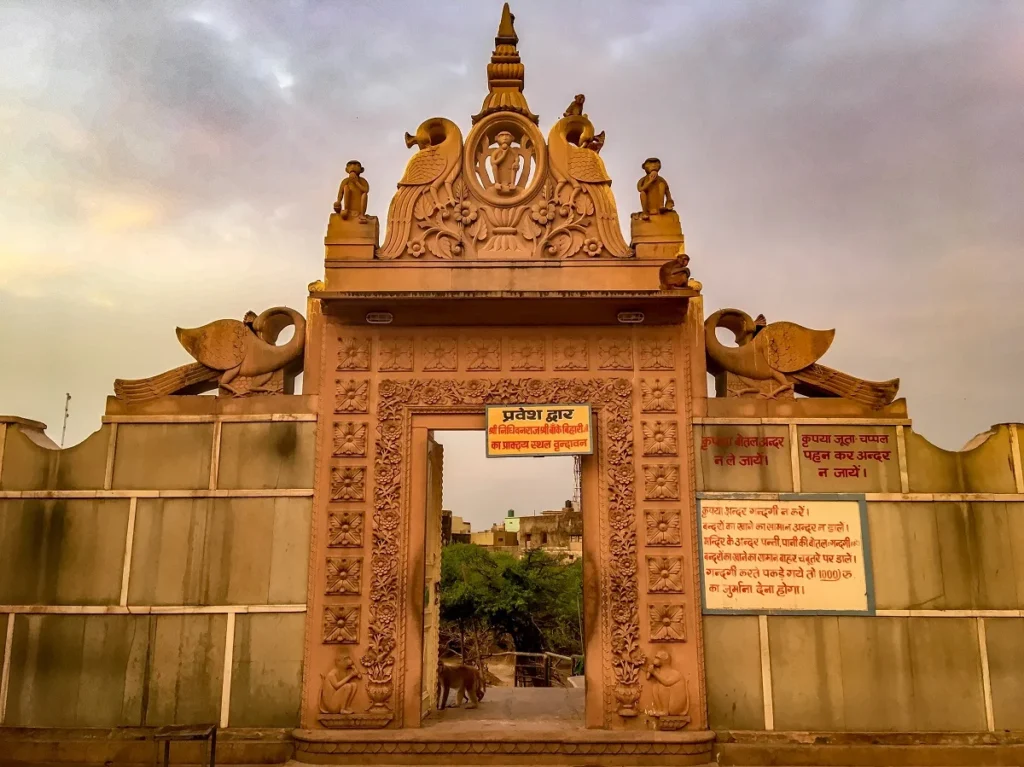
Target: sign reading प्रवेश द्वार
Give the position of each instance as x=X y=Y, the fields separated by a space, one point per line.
x=784 y=556
x=538 y=430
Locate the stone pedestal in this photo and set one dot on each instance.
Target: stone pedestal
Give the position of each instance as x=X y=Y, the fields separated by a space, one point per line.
x=351 y=239
x=658 y=236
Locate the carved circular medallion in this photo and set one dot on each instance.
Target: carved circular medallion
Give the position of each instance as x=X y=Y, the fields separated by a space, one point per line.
x=505 y=160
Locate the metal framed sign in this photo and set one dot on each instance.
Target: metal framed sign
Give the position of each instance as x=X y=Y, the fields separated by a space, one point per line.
x=539 y=430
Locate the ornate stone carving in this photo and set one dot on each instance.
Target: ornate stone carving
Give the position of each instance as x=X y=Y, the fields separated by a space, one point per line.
x=345 y=529
x=440 y=354
x=669 y=691
x=615 y=354
x=571 y=354
x=339 y=685
x=344 y=575
x=787 y=354
x=483 y=354
x=348 y=483
x=341 y=624
x=655 y=196
x=688 y=752
x=349 y=439
x=351 y=395
x=353 y=193
x=354 y=354
x=660 y=437
x=668 y=622
x=613 y=397
x=238 y=358
x=663 y=527
x=665 y=575
x=527 y=354
x=661 y=482
x=657 y=396
x=657 y=354
x=395 y=355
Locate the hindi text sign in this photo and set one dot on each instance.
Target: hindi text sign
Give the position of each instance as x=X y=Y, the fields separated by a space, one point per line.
x=536 y=430
x=787 y=556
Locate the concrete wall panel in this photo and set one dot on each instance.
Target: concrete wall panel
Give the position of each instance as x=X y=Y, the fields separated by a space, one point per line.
x=905 y=556
x=62 y=551
x=77 y=670
x=266 y=681
x=732 y=654
x=186 y=669
x=220 y=551
x=32 y=466
x=1005 y=643
x=267 y=455
x=983 y=468
x=807 y=673
x=163 y=456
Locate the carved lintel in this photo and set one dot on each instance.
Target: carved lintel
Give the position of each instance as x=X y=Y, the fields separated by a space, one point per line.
x=354 y=721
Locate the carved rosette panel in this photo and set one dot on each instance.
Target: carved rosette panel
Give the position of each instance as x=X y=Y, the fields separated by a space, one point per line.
x=613 y=399
x=344 y=575
x=660 y=437
x=395 y=355
x=615 y=354
x=664 y=527
x=527 y=354
x=353 y=354
x=440 y=355
x=341 y=624
x=571 y=354
x=345 y=529
x=667 y=622
x=351 y=396
x=348 y=483
x=349 y=439
x=483 y=354
x=657 y=354
x=657 y=395
x=665 y=575
x=661 y=482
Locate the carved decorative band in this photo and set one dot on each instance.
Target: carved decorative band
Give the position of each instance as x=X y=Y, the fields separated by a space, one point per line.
x=613 y=398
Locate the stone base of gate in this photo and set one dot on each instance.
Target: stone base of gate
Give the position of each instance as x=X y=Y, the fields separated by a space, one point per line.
x=485 y=743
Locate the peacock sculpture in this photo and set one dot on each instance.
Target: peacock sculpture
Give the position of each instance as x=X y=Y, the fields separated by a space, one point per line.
x=787 y=354
x=239 y=357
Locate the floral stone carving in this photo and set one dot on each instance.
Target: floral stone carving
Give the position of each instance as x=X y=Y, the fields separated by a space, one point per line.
x=344 y=575
x=341 y=624
x=657 y=354
x=350 y=439
x=615 y=354
x=663 y=527
x=657 y=396
x=351 y=396
x=354 y=354
x=571 y=354
x=665 y=575
x=667 y=622
x=395 y=355
x=660 y=437
x=527 y=354
x=661 y=483
x=344 y=529
x=348 y=483
x=483 y=354
x=440 y=354
x=613 y=398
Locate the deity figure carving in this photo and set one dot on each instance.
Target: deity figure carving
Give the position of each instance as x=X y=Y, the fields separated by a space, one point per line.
x=353 y=193
x=786 y=354
x=239 y=357
x=669 y=692
x=435 y=165
x=506 y=161
x=338 y=686
x=655 y=196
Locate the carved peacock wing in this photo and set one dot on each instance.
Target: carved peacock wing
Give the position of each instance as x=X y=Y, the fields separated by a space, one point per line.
x=425 y=167
x=787 y=347
x=586 y=165
x=220 y=344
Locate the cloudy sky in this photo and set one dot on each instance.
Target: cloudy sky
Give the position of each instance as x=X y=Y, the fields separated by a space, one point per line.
x=855 y=164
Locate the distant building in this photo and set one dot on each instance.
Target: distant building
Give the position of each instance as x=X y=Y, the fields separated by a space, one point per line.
x=453 y=528
x=557 y=531
x=496 y=536
x=511 y=522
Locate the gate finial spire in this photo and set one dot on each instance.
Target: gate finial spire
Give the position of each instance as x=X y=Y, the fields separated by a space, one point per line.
x=506 y=73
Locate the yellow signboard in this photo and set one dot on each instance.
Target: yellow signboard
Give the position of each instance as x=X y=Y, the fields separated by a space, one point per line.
x=534 y=430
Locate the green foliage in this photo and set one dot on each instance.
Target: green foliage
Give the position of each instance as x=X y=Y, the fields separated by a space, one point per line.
x=534 y=601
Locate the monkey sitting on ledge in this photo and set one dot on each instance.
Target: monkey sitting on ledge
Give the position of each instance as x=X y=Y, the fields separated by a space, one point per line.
x=467 y=681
